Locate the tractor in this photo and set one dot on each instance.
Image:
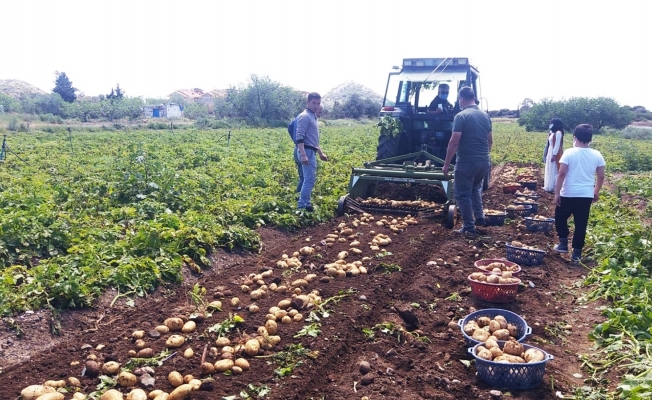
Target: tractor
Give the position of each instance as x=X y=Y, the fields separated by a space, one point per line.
x=412 y=143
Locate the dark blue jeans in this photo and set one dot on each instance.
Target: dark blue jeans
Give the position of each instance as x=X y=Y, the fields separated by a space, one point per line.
x=468 y=190
x=297 y=161
x=579 y=208
x=309 y=177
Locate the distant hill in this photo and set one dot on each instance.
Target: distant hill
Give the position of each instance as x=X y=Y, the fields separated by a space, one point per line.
x=16 y=88
x=344 y=91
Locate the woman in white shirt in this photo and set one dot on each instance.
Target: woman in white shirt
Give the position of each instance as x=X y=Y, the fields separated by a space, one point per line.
x=553 y=153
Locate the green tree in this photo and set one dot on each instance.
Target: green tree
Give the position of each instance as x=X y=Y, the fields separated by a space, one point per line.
x=117 y=94
x=9 y=104
x=113 y=109
x=600 y=112
x=195 y=111
x=83 y=109
x=63 y=86
x=263 y=102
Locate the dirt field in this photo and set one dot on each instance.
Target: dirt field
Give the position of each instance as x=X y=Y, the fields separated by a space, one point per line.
x=421 y=296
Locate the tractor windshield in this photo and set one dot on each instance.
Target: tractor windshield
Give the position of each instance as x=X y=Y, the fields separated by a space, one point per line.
x=418 y=87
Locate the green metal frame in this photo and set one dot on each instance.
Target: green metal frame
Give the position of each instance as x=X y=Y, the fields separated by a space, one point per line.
x=408 y=172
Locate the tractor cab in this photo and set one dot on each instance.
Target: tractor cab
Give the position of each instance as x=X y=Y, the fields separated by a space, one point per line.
x=410 y=90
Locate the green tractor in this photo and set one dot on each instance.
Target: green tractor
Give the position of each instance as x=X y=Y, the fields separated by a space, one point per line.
x=413 y=142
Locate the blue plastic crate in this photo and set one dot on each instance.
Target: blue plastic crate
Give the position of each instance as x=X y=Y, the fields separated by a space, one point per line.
x=508 y=375
x=525 y=212
x=512 y=318
x=495 y=220
x=539 y=225
x=535 y=206
x=522 y=256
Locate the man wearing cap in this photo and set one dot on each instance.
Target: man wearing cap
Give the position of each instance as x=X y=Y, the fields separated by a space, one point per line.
x=471 y=141
x=308 y=148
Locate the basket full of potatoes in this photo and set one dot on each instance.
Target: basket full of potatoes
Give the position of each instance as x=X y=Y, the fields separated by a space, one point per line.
x=510 y=364
x=481 y=325
x=493 y=287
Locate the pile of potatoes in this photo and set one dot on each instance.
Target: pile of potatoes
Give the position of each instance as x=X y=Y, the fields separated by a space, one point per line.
x=524 y=200
x=522 y=245
x=342 y=269
x=514 y=207
x=525 y=192
x=505 y=278
x=372 y=201
x=397 y=225
x=493 y=212
x=485 y=328
x=541 y=218
x=499 y=267
x=512 y=352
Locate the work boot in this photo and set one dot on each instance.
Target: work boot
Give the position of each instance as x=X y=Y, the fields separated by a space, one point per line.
x=562 y=247
x=576 y=256
x=480 y=222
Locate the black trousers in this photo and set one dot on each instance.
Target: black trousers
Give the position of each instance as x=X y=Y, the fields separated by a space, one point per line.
x=579 y=208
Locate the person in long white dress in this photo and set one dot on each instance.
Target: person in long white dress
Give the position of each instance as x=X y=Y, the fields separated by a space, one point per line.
x=554 y=150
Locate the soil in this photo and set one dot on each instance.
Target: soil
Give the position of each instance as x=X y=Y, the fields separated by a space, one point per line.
x=422 y=298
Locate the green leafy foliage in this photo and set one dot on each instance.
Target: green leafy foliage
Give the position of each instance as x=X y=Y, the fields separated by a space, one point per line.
x=63 y=87
x=598 y=111
x=226 y=326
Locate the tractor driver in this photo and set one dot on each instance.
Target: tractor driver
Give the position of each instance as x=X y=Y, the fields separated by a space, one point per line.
x=440 y=103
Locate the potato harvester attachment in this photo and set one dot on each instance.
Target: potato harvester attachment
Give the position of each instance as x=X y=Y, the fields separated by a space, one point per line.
x=407 y=184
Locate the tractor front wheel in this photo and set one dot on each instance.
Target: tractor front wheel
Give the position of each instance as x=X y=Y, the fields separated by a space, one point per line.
x=341 y=206
x=451 y=216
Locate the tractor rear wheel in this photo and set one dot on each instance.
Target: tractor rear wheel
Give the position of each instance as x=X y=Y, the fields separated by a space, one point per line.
x=387 y=147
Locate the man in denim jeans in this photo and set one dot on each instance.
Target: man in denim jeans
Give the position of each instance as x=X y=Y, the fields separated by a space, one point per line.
x=297 y=161
x=471 y=141
x=308 y=147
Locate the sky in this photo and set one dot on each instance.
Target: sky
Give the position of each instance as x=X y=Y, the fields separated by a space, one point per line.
x=524 y=49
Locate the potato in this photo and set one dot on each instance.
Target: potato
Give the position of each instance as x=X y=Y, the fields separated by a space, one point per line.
x=501 y=334
x=235 y=301
x=491 y=343
x=533 y=355
x=286 y=320
x=154 y=393
x=274 y=340
x=215 y=305
x=55 y=384
x=111 y=368
x=162 y=329
x=510 y=359
x=483 y=321
x=175 y=378
x=222 y=341
x=127 y=379
x=223 y=365
x=189 y=327
x=195 y=384
x=112 y=394
x=145 y=353
x=285 y=303
x=493 y=278
x=502 y=321
x=137 y=394
x=513 y=330
x=140 y=344
x=79 y=396
x=175 y=341
x=480 y=335
x=207 y=368
x=242 y=363
x=181 y=393
x=252 y=347
x=188 y=378
x=162 y=396
x=299 y=283
x=254 y=309
x=483 y=353
x=271 y=327
x=494 y=325
x=513 y=347
x=306 y=251
x=496 y=352
x=297 y=318
x=188 y=353
x=470 y=327
x=138 y=334
x=173 y=324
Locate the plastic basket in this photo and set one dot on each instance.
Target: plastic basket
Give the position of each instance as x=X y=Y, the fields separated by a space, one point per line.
x=535 y=206
x=539 y=225
x=529 y=185
x=487 y=261
x=525 y=212
x=511 y=189
x=532 y=195
x=495 y=220
x=524 y=256
x=508 y=375
x=512 y=318
x=494 y=292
